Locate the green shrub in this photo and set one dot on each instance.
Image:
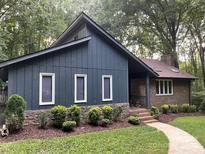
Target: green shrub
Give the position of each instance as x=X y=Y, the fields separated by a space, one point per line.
x=68 y=126
x=185 y=108
x=180 y=109
x=94 y=115
x=105 y=122
x=14 y=113
x=197 y=98
x=59 y=114
x=173 y=108
x=155 y=112
x=165 y=108
x=74 y=113
x=192 y=108
x=202 y=106
x=43 y=120
x=133 y=120
x=107 y=112
x=116 y=112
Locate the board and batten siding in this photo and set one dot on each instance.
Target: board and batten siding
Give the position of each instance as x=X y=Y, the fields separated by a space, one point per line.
x=94 y=58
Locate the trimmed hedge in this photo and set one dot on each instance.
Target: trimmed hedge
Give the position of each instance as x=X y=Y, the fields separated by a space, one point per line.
x=68 y=126
x=134 y=120
x=155 y=112
x=59 y=114
x=165 y=108
x=94 y=115
x=74 y=113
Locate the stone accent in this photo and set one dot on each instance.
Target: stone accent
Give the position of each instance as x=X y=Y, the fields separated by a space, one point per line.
x=31 y=116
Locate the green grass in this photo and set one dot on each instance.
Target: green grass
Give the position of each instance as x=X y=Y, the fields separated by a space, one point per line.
x=135 y=140
x=193 y=125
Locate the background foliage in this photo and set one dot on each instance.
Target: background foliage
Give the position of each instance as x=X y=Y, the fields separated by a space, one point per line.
x=149 y=28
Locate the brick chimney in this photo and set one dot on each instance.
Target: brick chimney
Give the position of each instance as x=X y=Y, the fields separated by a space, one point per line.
x=167 y=59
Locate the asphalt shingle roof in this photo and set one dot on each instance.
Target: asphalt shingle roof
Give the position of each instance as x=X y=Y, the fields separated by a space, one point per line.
x=166 y=71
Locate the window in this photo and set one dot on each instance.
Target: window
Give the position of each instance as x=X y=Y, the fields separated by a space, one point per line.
x=80 y=88
x=47 y=89
x=107 y=87
x=164 y=87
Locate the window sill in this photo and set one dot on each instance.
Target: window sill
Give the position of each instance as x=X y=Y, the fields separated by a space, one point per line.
x=46 y=103
x=79 y=102
x=106 y=100
x=164 y=94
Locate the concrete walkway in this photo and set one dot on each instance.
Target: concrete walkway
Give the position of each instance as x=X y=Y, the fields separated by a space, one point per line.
x=180 y=142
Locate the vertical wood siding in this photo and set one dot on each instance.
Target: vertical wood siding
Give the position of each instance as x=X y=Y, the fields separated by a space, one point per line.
x=95 y=58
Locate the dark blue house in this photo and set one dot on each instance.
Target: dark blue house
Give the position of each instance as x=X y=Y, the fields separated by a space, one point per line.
x=85 y=66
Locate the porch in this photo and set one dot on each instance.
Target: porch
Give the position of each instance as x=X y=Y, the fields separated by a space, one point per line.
x=139 y=86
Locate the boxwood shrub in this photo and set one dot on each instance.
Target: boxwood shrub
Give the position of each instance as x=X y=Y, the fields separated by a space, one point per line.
x=134 y=120
x=185 y=108
x=192 y=108
x=94 y=115
x=59 y=114
x=155 y=112
x=165 y=108
x=107 y=112
x=173 y=108
x=74 y=113
x=68 y=126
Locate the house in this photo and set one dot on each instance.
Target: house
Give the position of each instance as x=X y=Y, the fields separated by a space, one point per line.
x=87 y=66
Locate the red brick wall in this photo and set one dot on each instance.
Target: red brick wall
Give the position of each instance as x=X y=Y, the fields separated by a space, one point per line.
x=180 y=92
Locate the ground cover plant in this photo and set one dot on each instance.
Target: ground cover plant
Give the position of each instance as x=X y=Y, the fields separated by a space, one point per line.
x=142 y=139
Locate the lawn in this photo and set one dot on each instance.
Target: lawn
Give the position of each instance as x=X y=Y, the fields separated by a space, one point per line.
x=133 y=140
x=193 y=125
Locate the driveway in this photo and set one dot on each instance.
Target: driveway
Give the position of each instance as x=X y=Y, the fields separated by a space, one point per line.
x=180 y=142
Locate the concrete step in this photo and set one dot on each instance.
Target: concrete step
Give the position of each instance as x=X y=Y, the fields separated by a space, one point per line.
x=138 y=110
x=143 y=114
x=145 y=118
x=150 y=121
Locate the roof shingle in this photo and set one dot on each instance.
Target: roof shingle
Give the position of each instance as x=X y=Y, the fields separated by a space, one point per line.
x=166 y=71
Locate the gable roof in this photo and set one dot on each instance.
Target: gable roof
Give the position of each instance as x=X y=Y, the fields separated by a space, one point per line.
x=87 y=19
x=54 y=47
x=167 y=71
x=43 y=52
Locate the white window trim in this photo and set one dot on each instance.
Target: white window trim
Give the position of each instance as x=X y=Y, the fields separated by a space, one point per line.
x=85 y=88
x=53 y=89
x=163 y=80
x=111 y=88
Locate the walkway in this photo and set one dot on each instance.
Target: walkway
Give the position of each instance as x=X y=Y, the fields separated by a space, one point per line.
x=180 y=142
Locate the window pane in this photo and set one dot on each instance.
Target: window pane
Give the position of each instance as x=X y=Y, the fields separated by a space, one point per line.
x=170 y=87
x=80 y=88
x=165 y=87
x=46 y=88
x=106 y=88
x=157 y=87
x=161 y=87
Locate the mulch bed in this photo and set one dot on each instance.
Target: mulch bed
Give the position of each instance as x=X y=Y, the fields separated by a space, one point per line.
x=33 y=132
x=166 y=118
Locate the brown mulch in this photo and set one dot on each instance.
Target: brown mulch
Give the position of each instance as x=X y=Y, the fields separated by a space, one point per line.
x=166 y=118
x=33 y=132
